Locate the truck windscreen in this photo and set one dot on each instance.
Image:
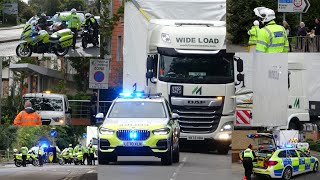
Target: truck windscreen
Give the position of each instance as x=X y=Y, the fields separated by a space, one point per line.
x=45 y=104
x=204 y=69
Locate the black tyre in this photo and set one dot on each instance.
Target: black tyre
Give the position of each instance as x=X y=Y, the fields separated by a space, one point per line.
x=315 y=167
x=176 y=154
x=84 y=43
x=94 y=42
x=293 y=126
x=61 y=51
x=167 y=159
x=113 y=158
x=287 y=173
x=25 y=52
x=103 y=158
x=35 y=162
x=18 y=163
x=61 y=162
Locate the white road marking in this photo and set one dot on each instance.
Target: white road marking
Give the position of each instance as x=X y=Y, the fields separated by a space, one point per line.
x=173 y=177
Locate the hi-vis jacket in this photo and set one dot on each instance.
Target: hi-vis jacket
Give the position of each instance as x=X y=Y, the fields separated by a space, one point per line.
x=27 y=117
x=253 y=33
x=272 y=39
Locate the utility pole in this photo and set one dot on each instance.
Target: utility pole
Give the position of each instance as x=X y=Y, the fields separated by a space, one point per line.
x=0 y=86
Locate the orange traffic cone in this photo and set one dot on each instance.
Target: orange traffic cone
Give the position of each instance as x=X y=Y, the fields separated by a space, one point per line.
x=244 y=177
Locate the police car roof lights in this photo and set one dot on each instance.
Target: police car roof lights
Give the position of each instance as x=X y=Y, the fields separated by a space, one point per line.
x=138 y=94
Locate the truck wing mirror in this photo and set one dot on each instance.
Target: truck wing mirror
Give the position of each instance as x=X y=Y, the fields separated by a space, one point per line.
x=149 y=75
x=150 y=63
x=99 y=118
x=175 y=116
x=239 y=65
x=240 y=77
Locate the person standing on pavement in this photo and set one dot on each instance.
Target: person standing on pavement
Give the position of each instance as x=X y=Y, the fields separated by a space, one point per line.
x=92 y=150
x=289 y=33
x=85 y=154
x=40 y=155
x=24 y=152
x=28 y=116
x=272 y=38
x=253 y=33
x=317 y=33
x=94 y=105
x=248 y=157
x=74 y=23
x=70 y=149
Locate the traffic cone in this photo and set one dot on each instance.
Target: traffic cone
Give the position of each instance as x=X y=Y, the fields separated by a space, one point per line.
x=244 y=177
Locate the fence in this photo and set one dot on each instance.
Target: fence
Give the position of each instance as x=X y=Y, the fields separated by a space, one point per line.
x=81 y=108
x=6 y=155
x=304 y=44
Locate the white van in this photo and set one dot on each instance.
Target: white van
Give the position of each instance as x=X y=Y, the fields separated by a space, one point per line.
x=54 y=109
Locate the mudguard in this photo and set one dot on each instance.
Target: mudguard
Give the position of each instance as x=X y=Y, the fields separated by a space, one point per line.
x=64 y=32
x=66 y=41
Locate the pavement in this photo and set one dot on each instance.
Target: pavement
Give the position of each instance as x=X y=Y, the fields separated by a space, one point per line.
x=238 y=173
x=192 y=166
x=49 y=172
x=10 y=37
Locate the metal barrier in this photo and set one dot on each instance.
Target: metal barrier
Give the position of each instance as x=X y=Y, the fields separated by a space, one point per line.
x=304 y=44
x=6 y=155
x=81 y=108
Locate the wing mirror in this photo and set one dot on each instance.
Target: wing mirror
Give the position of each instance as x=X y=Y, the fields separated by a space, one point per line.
x=175 y=116
x=99 y=118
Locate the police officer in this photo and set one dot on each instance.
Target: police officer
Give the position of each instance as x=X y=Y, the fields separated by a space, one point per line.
x=253 y=33
x=272 y=38
x=85 y=154
x=24 y=152
x=40 y=155
x=28 y=116
x=248 y=157
x=92 y=150
x=70 y=149
x=74 y=24
x=91 y=22
x=42 y=22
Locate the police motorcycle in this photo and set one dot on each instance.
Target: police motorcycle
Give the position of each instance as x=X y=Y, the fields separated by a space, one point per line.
x=65 y=158
x=88 y=37
x=78 y=158
x=32 y=158
x=35 y=40
x=57 y=26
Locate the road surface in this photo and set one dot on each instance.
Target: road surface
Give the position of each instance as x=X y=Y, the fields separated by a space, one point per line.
x=192 y=166
x=48 y=172
x=238 y=173
x=9 y=40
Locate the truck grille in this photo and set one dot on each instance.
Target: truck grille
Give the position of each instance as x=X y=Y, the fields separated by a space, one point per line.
x=129 y=135
x=198 y=120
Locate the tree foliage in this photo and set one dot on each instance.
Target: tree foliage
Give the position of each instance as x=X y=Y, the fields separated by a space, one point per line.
x=240 y=17
x=81 y=65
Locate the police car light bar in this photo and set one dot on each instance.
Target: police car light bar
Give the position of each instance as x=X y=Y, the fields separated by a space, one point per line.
x=138 y=95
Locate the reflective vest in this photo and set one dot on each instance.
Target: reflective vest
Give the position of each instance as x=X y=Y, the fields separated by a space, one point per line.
x=41 y=152
x=27 y=119
x=253 y=33
x=85 y=149
x=272 y=38
x=73 y=21
x=24 y=150
x=92 y=150
x=248 y=153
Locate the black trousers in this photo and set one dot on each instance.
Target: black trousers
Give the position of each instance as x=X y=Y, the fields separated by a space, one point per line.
x=24 y=158
x=91 y=159
x=248 y=166
x=40 y=159
x=75 y=31
x=96 y=35
x=85 y=157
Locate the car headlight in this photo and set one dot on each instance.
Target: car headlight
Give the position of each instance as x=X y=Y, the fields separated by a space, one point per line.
x=165 y=37
x=106 y=131
x=162 y=131
x=227 y=126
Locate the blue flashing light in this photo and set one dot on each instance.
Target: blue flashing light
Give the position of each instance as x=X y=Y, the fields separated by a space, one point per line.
x=271 y=145
x=126 y=94
x=133 y=135
x=45 y=145
x=138 y=94
x=289 y=146
x=250 y=135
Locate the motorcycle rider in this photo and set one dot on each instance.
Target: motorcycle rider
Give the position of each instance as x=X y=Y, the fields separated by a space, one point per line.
x=42 y=22
x=74 y=24
x=24 y=152
x=65 y=155
x=92 y=23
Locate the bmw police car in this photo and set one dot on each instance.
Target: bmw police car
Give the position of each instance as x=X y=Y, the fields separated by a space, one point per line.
x=139 y=125
x=276 y=162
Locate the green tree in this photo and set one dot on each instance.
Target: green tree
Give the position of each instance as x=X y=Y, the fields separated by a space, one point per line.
x=80 y=5
x=81 y=65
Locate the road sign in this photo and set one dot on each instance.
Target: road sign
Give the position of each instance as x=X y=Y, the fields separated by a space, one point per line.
x=99 y=74
x=10 y=8
x=84 y=135
x=53 y=133
x=299 y=6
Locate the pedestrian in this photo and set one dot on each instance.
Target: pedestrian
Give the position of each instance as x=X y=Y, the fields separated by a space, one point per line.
x=289 y=33
x=28 y=116
x=272 y=38
x=253 y=33
x=94 y=105
x=302 y=33
x=24 y=152
x=40 y=155
x=248 y=157
x=317 y=33
x=74 y=24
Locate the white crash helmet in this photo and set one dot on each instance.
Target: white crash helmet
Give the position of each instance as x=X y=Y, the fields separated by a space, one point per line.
x=73 y=10
x=87 y=15
x=265 y=14
x=256 y=23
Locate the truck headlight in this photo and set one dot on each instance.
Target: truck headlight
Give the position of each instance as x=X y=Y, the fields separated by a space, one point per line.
x=227 y=126
x=106 y=131
x=162 y=131
x=165 y=37
x=58 y=119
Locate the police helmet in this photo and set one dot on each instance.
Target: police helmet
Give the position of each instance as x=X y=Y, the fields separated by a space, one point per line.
x=70 y=145
x=73 y=10
x=43 y=15
x=265 y=14
x=87 y=15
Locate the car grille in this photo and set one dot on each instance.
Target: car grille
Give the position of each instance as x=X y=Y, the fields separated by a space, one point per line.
x=198 y=120
x=140 y=135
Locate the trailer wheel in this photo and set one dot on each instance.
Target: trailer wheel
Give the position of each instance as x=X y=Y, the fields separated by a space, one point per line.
x=294 y=124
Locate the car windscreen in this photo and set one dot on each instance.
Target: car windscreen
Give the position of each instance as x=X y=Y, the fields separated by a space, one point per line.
x=46 y=103
x=137 y=109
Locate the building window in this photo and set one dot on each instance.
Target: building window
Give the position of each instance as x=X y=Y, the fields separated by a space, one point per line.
x=119 y=48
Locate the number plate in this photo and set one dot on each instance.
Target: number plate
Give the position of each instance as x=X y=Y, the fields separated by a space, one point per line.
x=195 y=138
x=133 y=143
x=176 y=90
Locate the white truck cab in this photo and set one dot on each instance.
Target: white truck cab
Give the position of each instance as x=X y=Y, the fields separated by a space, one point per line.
x=54 y=109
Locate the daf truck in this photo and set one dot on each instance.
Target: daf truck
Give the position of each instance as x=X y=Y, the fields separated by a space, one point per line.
x=183 y=56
